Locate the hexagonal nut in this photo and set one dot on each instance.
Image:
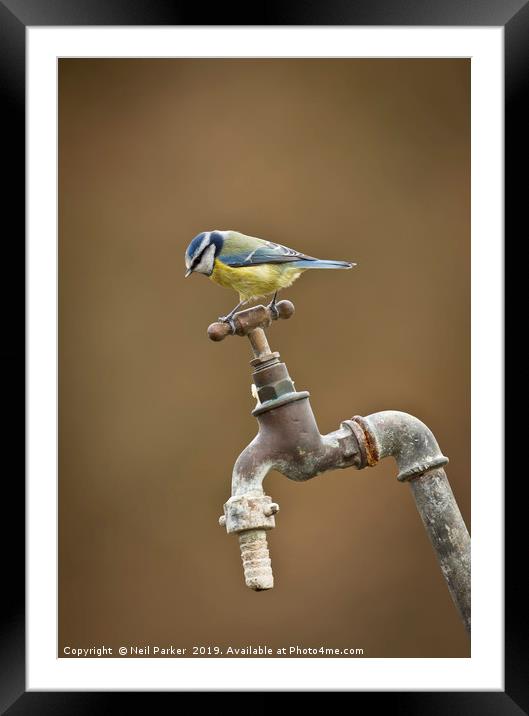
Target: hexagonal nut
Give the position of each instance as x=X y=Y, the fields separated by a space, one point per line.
x=275 y=390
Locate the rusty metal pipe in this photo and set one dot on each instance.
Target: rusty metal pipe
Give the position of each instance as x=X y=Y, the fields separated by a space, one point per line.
x=448 y=534
x=391 y=433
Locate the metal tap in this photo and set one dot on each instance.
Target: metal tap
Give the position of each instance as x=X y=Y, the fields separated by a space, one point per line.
x=289 y=441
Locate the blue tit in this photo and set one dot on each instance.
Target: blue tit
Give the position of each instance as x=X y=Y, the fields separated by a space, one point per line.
x=251 y=266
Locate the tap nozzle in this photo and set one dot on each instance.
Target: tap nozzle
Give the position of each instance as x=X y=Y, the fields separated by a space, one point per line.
x=256 y=561
x=250 y=515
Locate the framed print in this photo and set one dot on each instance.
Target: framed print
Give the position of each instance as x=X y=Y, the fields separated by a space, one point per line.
x=161 y=554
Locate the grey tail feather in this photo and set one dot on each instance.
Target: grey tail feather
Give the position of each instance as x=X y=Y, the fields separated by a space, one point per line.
x=324 y=264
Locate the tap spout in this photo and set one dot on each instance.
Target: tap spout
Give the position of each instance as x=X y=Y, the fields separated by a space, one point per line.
x=288 y=441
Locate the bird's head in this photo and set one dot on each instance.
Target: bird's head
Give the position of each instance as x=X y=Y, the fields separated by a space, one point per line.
x=201 y=253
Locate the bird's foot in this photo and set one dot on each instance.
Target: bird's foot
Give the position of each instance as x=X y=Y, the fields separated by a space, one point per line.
x=229 y=320
x=272 y=307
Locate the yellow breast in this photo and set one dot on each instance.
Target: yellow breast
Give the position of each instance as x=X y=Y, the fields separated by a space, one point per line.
x=255 y=281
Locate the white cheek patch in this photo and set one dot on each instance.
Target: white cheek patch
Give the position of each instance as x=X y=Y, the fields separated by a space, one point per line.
x=205 y=265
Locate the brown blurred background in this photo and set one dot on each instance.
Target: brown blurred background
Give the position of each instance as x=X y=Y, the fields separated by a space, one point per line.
x=367 y=160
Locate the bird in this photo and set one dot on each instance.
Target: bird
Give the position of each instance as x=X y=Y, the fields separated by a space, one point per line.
x=251 y=266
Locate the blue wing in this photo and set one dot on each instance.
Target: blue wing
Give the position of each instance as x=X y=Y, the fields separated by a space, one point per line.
x=265 y=253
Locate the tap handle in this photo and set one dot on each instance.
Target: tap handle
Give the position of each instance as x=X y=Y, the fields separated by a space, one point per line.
x=244 y=322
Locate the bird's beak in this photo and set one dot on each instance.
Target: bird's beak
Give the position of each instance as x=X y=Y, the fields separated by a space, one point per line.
x=188 y=273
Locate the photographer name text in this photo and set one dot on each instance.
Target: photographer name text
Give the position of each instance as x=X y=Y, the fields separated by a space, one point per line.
x=169 y=650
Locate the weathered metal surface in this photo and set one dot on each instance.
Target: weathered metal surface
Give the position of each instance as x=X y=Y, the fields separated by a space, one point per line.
x=448 y=534
x=249 y=511
x=273 y=385
x=247 y=321
x=260 y=347
x=392 y=433
x=289 y=441
x=256 y=560
x=361 y=442
x=278 y=401
x=250 y=515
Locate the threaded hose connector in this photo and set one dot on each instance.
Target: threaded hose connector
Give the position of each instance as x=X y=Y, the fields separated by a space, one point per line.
x=256 y=560
x=249 y=516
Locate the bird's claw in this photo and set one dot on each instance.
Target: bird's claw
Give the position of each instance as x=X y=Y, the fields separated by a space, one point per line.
x=272 y=307
x=229 y=320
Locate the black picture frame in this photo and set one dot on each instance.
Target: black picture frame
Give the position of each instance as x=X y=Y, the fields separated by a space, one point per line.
x=15 y=16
